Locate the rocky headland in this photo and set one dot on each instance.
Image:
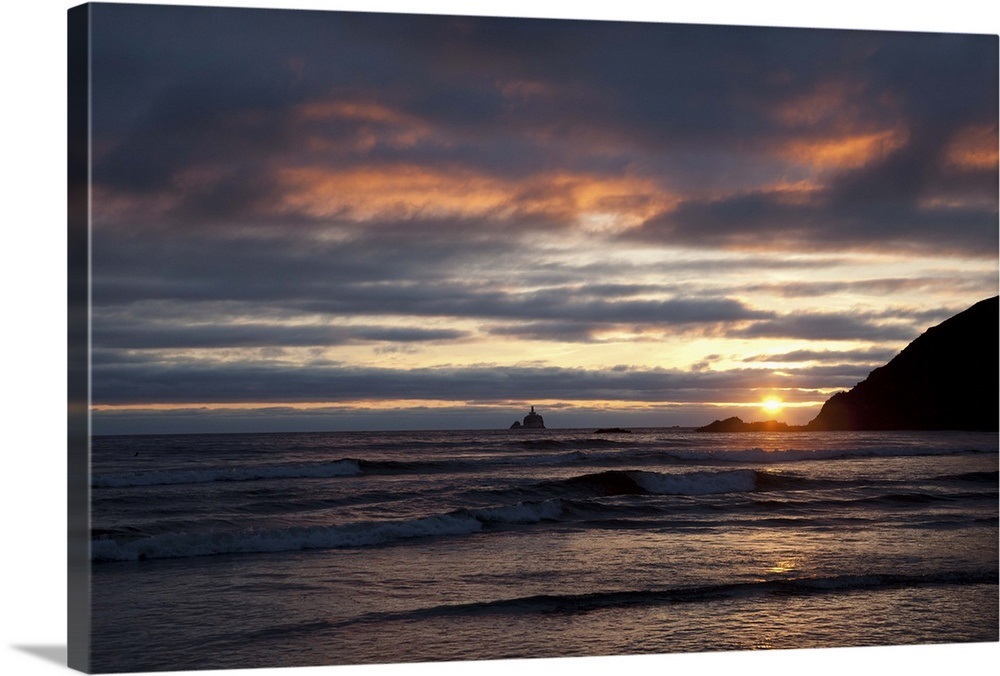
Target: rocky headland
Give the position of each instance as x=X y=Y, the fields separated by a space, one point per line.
x=946 y=379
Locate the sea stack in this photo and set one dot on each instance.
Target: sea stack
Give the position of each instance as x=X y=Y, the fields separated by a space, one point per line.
x=532 y=421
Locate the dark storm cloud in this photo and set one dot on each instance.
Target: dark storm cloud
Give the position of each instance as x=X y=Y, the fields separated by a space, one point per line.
x=670 y=85
x=887 y=202
x=872 y=355
x=582 y=318
x=184 y=281
x=515 y=98
x=767 y=220
x=568 y=332
x=557 y=304
x=211 y=267
x=828 y=326
x=984 y=284
x=403 y=275
x=157 y=336
x=394 y=264
x=550 y=314
x=178 y=383
x=553 y=315
x=548 y=273
x=166 y=92
x=257 y=166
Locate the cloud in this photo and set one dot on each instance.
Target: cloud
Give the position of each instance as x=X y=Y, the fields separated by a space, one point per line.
x=336 y=179
x=841 y=219
x=553 y=314
x=827 y=326
x=129 y=382
x=980 y=283
x=629 y=118
x=416 y=273
x=865 y=356
x=567 y=332
x=144 y=336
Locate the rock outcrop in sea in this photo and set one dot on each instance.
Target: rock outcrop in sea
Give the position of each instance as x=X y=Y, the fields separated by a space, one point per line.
x=946 y=379
x=532 y=421
x=735 y=424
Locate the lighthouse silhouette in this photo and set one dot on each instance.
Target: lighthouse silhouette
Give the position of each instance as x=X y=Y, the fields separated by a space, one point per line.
x=533 y=420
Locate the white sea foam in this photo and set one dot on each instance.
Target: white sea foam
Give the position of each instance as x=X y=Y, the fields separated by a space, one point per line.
x=696 y=483
x=531 y=512
x=170 y=545
x=321 y=470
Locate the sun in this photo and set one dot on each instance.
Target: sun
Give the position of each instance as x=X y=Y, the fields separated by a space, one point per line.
x=772 y=405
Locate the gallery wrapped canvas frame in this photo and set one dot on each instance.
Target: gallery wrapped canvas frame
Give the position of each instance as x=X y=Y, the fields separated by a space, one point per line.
x=291 y=249
x=78 y=338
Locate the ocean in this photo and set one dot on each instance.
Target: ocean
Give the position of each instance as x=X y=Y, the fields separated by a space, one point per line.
x=267 y=550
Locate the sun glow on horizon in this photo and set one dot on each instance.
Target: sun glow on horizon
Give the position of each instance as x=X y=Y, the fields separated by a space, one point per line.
x=772 y=404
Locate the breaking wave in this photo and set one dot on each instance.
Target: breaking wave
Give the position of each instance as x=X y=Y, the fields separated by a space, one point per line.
x=183 y=545
x=638 y=482
x=570 y=604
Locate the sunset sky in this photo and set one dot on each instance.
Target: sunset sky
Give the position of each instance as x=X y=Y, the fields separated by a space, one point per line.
x=317 y=220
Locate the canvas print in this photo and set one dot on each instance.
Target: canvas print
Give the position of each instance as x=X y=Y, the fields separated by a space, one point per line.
x=415 y=338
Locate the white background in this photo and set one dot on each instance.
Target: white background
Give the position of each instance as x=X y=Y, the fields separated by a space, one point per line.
x=33 y=329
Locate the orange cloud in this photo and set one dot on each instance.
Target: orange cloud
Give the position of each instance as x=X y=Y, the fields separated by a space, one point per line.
x=398 y=191
x=839 y=104
x=830 y=126
x=367 y=111
x=407 y=190
x=974 y=148
x=830 y=102
x=844 y=151
x=376 y=122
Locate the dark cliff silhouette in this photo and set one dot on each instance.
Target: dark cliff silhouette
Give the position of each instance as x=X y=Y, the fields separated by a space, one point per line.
x=947 y=379
x=944 y=380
